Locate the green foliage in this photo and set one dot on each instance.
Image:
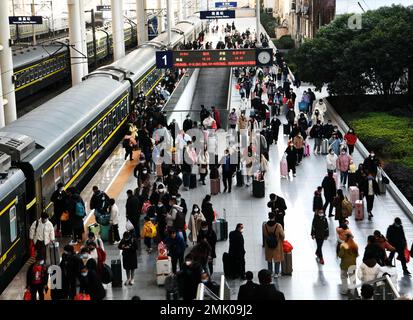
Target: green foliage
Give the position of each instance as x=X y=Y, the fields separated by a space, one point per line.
x=372 y=59
x=269 y=23
x=285 y=42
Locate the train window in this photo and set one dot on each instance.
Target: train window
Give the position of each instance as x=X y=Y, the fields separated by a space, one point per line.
x=13 y=224
x=94 y=140
x=100 y=133
x=82 y=152
x=114 y=119
x=110 y=123
x=57 y=173
x=88 y=140
x=73 y=157
x=122 y=111
x=105 y=128
x=66 y=168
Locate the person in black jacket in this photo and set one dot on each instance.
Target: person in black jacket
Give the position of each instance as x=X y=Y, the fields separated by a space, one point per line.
x=70 y=266
x=371 y=163
x=173 y=182
x=278 y=206
x=187 y=123
x=129 y=248
x=317 y=199
x=208 y=235
x=247 y=290
x=396 y=237
x=90 y=282
x=59 y=199
x=330 y=191
x=373 y=250
x=228 y=170
x=36 y=278
x=132 y=210
x=208 y=210
x=267 y=290
x=99 y=201
x=319 y=232
x=237 y=251
x=275 y=128
x=369 y=188
x=189 y=278
x=292 y=155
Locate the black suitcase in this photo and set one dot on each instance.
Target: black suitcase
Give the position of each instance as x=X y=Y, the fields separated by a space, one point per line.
x=192 y=181
x=240 y=179
x=116 y=267
x=258 y=188
x=228 y=266
x=286 y=129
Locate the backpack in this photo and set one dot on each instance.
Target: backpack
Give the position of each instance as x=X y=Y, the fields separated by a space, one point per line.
x=80 y=209
x=271 y=239
x=103 y=202
x=347 y=208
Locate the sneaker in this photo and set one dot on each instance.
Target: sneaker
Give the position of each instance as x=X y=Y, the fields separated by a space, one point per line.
x=406 y=273
x=225 y=190
x=131 y=282
x=127 y=282
x=277 y=275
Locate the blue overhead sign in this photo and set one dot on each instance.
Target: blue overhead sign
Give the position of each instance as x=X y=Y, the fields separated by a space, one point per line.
x=164 y=59
x=217 y=14
x=226 y=4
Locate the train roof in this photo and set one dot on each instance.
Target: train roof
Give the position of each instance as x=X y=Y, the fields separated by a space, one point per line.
x=14 y=179
x=56 y=122
x=32 y=54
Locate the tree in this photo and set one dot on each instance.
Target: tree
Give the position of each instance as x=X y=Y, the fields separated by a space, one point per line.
x=373 y=59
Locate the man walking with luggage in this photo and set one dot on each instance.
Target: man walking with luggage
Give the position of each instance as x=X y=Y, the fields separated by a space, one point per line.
x=369 y=188
x=42 y=233
x=330 y=191
x=396 y=237
x=237 y=251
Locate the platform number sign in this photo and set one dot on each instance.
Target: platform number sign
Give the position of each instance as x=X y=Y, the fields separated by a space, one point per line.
x=164 y=59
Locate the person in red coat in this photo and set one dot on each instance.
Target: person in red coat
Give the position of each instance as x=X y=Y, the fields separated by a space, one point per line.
x=216 y=115
x=351 y=140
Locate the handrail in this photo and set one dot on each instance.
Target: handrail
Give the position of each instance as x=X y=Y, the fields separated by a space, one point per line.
x=385 y=278
x=202 y=289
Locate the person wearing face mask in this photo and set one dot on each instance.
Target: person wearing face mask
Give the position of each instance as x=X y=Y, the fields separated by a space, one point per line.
x=90 y=283
x=211 y=285
x=317 y=199
x=208 y=210
x=59 y=199
x=236 y=251
x=233 y=119
x=369 y=188
x=129 y=247
x=275 y=128
x=396 y=237
x=319 y=232
x=208 y=235
x=203 y=161
x=173 y=182
x=194 y=224
x=330 y=189
x=187 y=123
x=36 y=278
x=70 y=265
x=138 y=170
x=298 y=142
x=161 y=214
x=334 y=144
x=331 y=160
x=343 y=164
x=189 y=278
x=42 y=233
x=371 y=163
x=351 y=140
x=176 y=249
x=292 y=157
x=273 y=235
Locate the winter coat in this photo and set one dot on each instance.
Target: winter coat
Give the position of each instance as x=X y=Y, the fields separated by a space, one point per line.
x=338 y=204
x=211 y=237
x=331 y=162
x=368 y=271
x=322 y=108
x=173 y=215
x=208 y=212
x=334 y=144
x=351 y=139
x=268 y=292
x=298 y=142
x=329 y=187
x=342 y=234
x=236 y=244
x=264 y=164
x=132 y=209
x=317 y=202
x=343 y=162
x=276 y=254
x=247 y=291
x=194 y=225
x=43 y=275
x=383 y=243
x=232 y=118
x=319 y=228
x=364 y=187
x=176 y=247
x=396 y=237
x=92 y=285
x=373 y=250
x=129 y=253
x=370 y=165
x=348 y=257
x=114 y=214
x=291 y=155
x=44 y=231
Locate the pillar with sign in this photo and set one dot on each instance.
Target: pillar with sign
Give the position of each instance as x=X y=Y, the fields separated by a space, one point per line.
x=117 y=29
x=6 y=66
x=75 y=41
x=142 y=33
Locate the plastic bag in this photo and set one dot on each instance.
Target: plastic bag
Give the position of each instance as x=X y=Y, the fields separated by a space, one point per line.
x=287 y=247
x=27 y=295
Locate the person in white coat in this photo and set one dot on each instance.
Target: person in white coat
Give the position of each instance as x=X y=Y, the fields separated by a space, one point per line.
x=114 y=220
x=42 y=233
x=194 y=224
x=321 y=106
x=369 y=270
x=331 y=159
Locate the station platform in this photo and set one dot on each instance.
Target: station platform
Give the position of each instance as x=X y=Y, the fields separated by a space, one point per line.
x=309 y=280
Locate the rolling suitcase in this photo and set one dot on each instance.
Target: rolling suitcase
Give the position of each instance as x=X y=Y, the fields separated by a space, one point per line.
x=286 y=129
x=359 y=210
x=283 y=168
x=192 y=181
x=258 y=188
x=216 y=226
x=220 y=226
x=307 y=151
x=228 y=266
x=324 y=146
x=215 y=186
x=382 y=186
x=262 y=230
x=354 y=195
x=163 y=269
x=104 y=232
x=240 y=179
x=52 y=254
x=287 y=264
x=116 y=267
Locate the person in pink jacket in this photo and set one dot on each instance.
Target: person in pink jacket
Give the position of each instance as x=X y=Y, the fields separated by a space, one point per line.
x=343 y=163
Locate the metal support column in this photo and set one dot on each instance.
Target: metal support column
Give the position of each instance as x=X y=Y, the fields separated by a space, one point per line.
x=75 y=41
x=6 y=66
x=3 y=102
x=83 y=35
x=117 y=29
x=95 y=58
x=141 y=21
x=161 y=23
x=169 y=17
x=180 y=10
x=33 y=26
x=258 y=14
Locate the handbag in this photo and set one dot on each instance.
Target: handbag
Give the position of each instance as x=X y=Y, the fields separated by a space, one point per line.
x=27 y=296
x=65 y=216
x=82 y=296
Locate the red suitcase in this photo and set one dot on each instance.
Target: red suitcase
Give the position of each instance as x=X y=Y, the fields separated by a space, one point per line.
x=359 y=210
x=354 y=195
x=215 y=186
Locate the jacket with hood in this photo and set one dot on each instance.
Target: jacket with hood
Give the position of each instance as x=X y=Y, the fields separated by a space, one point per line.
x=368 y=270
x=172 y=218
